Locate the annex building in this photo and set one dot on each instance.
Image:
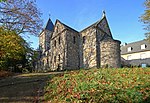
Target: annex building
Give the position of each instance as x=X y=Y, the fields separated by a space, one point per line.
x=64 y=48
x=137 y=53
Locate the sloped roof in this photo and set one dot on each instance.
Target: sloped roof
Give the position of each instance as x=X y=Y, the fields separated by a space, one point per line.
x=66 y=26
x=136 y=47
x=96 y=23
x=49 y=26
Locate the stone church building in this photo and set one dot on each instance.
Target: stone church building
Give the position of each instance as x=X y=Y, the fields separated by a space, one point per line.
x=63 y=48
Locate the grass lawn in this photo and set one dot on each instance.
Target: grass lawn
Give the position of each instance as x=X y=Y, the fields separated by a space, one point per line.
x=100 y=85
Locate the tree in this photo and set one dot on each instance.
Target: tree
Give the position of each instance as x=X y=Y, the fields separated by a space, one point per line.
x=21 y=16
x=13 y=49
x=145 y=18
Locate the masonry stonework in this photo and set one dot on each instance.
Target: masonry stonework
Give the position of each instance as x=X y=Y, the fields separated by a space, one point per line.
x=110 y=53
x=69 y=49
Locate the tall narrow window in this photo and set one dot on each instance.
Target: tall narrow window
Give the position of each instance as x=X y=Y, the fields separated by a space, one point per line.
x=74 y=39
x=54 y=58
x=59 y=57
x=59 y=40
x=55 y=43
x=83 y=39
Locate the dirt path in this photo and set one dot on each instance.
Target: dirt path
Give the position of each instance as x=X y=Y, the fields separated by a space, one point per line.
x=24 y=88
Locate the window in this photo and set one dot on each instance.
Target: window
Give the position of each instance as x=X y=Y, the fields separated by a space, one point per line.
x=129 y=49
x=54 y=58
x=59 y=40
x=59 y=57
x=55 y=43
x=143 y=46
x=57 y=29
x=74 y=39
x=129 y=57
x=143 y=56
x=83 y=39
x=143 y=65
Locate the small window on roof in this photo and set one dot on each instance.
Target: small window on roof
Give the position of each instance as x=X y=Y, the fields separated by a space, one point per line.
x=129 y=49
x=143 y=46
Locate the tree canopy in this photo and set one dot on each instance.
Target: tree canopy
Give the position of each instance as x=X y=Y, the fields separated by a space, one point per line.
x=146 y=18
x=13 y=49
x=21 y=16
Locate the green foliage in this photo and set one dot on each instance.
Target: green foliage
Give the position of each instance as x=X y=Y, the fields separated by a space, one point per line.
x=100 y=86
x=146 y=18
x=3 y=0
x=13 y=49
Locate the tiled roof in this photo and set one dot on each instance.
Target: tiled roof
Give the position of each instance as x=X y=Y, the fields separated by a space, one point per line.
x=136 y=47
x=49 y=26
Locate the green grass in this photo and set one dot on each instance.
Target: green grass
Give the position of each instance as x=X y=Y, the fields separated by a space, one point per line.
x=100 y=85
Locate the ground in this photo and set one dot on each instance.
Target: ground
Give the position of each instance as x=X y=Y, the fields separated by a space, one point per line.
x=23 y=88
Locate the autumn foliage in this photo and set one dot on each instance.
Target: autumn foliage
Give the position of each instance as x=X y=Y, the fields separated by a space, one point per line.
x=12 y=49
x=100 y=86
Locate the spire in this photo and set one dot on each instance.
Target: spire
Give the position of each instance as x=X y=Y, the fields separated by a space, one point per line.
x=104 y=14
x=49 y=26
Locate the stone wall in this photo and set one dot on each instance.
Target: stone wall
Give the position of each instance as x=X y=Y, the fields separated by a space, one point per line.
x=58 y=48
x=110 y=53
x=88 y=42
x=72 y=53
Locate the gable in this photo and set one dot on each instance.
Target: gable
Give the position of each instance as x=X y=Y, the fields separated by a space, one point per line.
x=58 y=28
x=103 y=25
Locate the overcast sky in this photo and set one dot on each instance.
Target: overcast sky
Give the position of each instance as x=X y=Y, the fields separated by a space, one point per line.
x=123 y=16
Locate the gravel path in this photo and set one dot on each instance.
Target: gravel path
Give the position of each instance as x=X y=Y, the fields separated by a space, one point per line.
x=24 y=88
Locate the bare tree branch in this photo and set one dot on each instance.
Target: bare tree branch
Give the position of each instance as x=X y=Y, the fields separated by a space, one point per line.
x=21 y=16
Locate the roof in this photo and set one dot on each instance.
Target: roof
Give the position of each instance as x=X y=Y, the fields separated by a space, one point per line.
x=67 y=26
x=49 y=26
x=136 y=47
x=96 y=23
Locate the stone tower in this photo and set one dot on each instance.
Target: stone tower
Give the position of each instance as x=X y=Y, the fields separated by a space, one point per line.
x=44 y=44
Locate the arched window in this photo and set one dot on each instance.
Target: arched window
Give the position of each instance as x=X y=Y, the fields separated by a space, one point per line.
x=59 y=40
x=74 y=39
x=55 y=43
x=59 y=57
x=54 y=58
x=83 y=39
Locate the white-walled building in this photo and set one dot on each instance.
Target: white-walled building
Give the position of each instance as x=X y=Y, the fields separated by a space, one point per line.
x=137 y=53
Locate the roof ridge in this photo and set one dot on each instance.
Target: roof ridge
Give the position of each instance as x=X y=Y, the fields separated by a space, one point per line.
x=67 y=26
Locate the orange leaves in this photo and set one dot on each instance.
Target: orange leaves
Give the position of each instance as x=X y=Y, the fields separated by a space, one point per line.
x=102 y=85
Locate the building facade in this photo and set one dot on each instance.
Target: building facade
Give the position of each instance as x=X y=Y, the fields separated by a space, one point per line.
x=137 y=53
x=65 y=48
